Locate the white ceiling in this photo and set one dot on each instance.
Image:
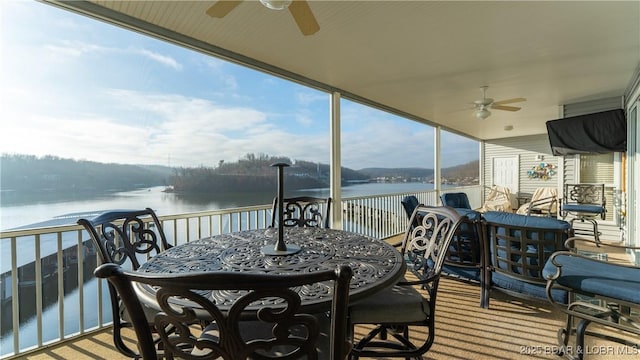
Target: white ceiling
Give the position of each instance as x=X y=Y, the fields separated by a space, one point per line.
x=427 y=59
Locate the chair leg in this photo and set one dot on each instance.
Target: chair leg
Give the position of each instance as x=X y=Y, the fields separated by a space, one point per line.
x=581 y=329
x=594 y=223
x=596 y=232
x=563 y=336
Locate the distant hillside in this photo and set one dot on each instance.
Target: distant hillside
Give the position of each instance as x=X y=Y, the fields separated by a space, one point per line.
x=51 y=173
x=397 y=172
x=464 y=173
x=28 y=173
x=468 y=170
x=255 y=173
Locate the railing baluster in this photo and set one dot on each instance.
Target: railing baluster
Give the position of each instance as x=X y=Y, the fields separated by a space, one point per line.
x=15 y=298
x=60 y=267
x=38 y=292
x=80 y=269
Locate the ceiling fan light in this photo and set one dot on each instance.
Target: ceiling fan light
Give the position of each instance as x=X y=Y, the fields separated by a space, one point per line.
x=483 y=114
x=276 y=4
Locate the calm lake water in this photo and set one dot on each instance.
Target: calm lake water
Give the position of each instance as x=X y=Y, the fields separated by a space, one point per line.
x=22 y=211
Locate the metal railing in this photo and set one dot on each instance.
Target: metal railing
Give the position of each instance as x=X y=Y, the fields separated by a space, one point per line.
x=55 y=297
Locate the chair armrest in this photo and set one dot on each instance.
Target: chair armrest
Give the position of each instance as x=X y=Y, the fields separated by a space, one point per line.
x=570 y=244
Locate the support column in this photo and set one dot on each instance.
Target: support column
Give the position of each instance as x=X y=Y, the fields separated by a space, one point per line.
x=336 y=163
x=437 y=163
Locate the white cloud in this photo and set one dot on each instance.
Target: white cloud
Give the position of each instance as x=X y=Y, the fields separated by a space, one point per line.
x=161 y=59
x=67 y=48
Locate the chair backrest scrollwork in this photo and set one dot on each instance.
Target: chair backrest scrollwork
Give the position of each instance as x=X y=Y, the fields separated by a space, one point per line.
x=303 y=211
x=425 y=245
x=125 y=237
x=585 y=194
x=192 y=325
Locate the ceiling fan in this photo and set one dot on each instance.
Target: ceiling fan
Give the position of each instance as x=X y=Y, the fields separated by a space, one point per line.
x=482 y=106
x=299 y=9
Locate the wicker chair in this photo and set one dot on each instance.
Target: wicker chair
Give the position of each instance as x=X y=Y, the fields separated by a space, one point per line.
x=303 y=211
x=186 y=299
x=410 y=304
x=125 y=237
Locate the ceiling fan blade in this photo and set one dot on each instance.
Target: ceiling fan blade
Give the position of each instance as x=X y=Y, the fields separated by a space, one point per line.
x=502 y=107
x=221 y=8
x=303 y=16
x=509 y=101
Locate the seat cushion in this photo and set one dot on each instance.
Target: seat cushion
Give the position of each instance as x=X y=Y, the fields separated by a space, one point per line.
x=394 y=305
x=510 y=219
x=584 y=208
x=590 y=276
x=149 y=313
x=470 y=273
x=538 y=291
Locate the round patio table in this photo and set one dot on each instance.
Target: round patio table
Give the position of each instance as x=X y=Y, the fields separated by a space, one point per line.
x=375 y=263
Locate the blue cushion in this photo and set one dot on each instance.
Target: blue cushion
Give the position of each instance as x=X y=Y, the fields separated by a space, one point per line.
x=505 y=218
x=597 y=277
x=523 y=287
x=472 y=273
x=585 y=208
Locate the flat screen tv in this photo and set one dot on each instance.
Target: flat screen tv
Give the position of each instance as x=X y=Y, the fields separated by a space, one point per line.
x=600 y=133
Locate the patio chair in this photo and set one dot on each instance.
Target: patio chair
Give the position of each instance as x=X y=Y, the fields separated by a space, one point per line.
x=517 y=248
x=584 y=202
x=409 y=204
x=544 y=202
x=465 y=258
x=499 y=199
x=603 y=292
x=125 y=237
x=303 y=211
x=410 y=304
x=458 y=200
x=293 y=332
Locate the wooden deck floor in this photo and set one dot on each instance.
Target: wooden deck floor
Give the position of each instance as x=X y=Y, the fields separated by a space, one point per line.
x=509 y=329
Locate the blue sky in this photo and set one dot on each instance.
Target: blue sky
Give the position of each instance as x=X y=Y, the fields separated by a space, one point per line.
x=78 y=88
